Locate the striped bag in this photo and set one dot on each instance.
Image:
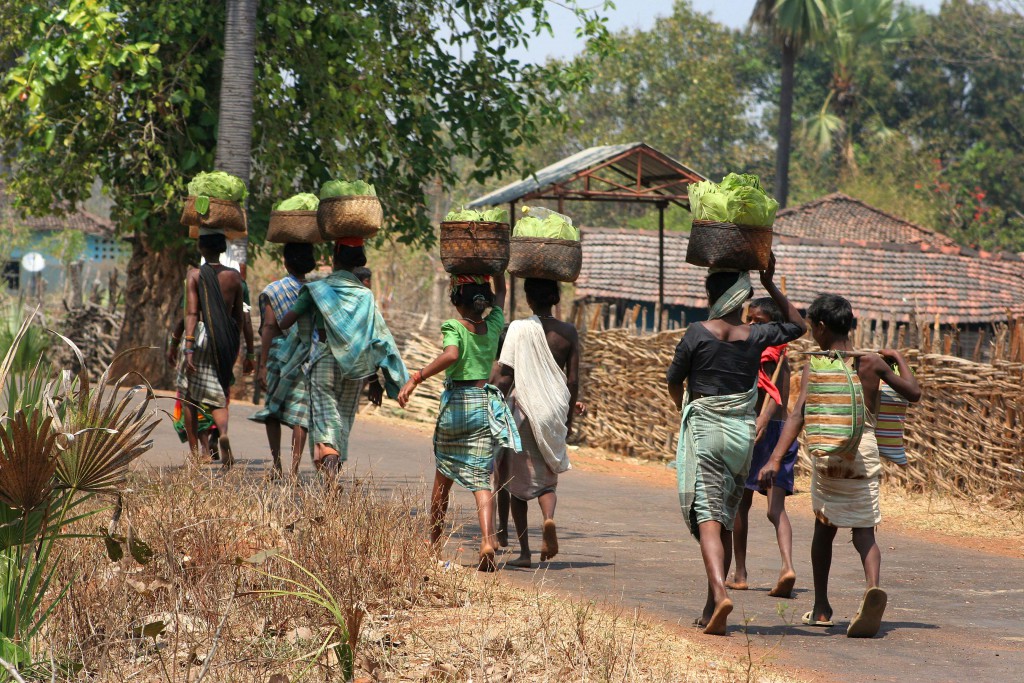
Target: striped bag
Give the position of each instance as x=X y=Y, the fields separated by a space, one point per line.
x=892 y=413
x=834 y=410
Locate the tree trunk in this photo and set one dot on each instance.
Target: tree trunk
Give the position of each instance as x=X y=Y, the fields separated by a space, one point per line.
x=785 y=132
x=234 y=138
x=153 y=305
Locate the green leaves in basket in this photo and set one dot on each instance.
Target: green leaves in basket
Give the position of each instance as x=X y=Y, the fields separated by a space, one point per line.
x=739 y=199
x=303 y=201
x=344 y=188
x=472 y=216
x=202 y=204
x=547 y=224
x=217 y=184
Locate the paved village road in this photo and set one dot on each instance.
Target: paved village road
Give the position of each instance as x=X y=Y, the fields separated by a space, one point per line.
x=954 y=614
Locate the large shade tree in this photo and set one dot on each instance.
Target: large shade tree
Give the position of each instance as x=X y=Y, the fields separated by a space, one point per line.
x=391 y=91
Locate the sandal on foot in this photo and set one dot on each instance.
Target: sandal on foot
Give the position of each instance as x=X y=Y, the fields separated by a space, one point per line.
x=809 y=620
x=869 y=617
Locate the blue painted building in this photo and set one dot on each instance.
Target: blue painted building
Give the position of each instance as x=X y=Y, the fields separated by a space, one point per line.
x=103 y=250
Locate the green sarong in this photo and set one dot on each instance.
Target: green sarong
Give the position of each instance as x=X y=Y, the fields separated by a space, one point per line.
x=471 y=424
x=716 y=439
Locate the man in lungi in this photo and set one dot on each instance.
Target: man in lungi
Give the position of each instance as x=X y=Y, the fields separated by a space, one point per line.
x=214 y=322
x=349 y=343
x=718 y=360
x=282 y=358
x=771 y=410
x=539 y=366
x=845 y=492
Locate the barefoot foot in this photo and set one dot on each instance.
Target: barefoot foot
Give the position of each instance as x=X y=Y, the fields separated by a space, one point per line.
x=523 y=562
x=784 y=588
x=737 y=585
x=486 y=559
x=227 y=459
x=717 y=623
x=501 y=536
x=549 y=543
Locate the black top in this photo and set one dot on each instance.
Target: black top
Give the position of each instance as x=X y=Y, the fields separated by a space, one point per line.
x=718 y=368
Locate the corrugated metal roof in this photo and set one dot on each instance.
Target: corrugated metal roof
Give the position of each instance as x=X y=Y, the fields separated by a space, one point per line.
x=657 y=169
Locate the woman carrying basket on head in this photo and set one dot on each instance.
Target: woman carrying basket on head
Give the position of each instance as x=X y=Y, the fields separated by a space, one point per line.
x=473 y=416
x=718 y=360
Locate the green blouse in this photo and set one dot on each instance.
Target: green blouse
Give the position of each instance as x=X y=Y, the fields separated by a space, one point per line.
x=476 y=351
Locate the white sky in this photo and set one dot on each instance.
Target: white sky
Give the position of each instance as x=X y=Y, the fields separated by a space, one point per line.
x=639 y=14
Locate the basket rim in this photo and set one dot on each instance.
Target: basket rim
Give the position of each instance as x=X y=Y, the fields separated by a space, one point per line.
x=549 y=240
x=297 y=213
x=732 y=226
x=486 y=223
x=348 y=197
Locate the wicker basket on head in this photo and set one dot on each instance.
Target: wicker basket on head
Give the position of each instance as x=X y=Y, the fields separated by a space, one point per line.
x=474 y=248
x=727 y=245
x=349 y=216
x=293 y=226
x=230 y=235
x=550 y=259
x=224 y=215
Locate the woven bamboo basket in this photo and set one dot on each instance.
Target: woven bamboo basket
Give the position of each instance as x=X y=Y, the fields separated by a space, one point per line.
x=550 y=259
x=230 y=235
x=728 y=245
x=224 y=215
x=293 y=226
x=474 y=248
x=351 y=216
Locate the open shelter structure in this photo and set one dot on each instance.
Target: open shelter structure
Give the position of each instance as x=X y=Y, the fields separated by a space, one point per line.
x=631 y=172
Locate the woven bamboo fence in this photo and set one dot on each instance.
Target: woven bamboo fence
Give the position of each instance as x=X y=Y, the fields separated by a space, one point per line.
x=964 y=437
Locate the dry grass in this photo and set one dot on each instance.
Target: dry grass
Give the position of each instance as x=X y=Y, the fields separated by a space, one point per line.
x=192 y=613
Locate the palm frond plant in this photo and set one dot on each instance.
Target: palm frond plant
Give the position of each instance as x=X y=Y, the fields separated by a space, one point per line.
x=62 y=442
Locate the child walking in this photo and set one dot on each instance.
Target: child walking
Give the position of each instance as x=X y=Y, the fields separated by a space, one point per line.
x=473 y=417
x=772 y=399
x=845 y=489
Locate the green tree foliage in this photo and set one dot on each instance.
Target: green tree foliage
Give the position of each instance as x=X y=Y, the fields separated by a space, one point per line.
x=681 y=87
x=390 y=91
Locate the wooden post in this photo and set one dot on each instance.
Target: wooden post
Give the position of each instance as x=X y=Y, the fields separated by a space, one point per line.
x=661 y=259
x=512 y=278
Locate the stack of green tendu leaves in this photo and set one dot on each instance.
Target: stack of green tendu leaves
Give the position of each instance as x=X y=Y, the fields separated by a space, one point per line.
x=738 y=199
x=217 y=184
x=304 y=201
x=464 y=215
x=545 y=224
x=344 y=188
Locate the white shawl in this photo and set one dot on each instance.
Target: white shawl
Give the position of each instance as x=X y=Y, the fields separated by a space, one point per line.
x=541 y=391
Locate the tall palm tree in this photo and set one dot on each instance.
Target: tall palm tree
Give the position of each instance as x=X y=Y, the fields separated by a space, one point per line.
x=234 y=137
x=793 y=24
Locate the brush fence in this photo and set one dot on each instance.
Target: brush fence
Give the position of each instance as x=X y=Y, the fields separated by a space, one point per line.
x=964 y=437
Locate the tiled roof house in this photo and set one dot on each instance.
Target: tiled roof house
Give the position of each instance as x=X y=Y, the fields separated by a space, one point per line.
x=841 y=217
x=883 y=279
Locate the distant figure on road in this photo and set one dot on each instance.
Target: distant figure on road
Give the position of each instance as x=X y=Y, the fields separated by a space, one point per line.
x=349 y=342
x=718 y=360
x=214 y=322
x=539 y=372
x=283 y=354
x=845 y=490
x=473 y=418
x=772 y=399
